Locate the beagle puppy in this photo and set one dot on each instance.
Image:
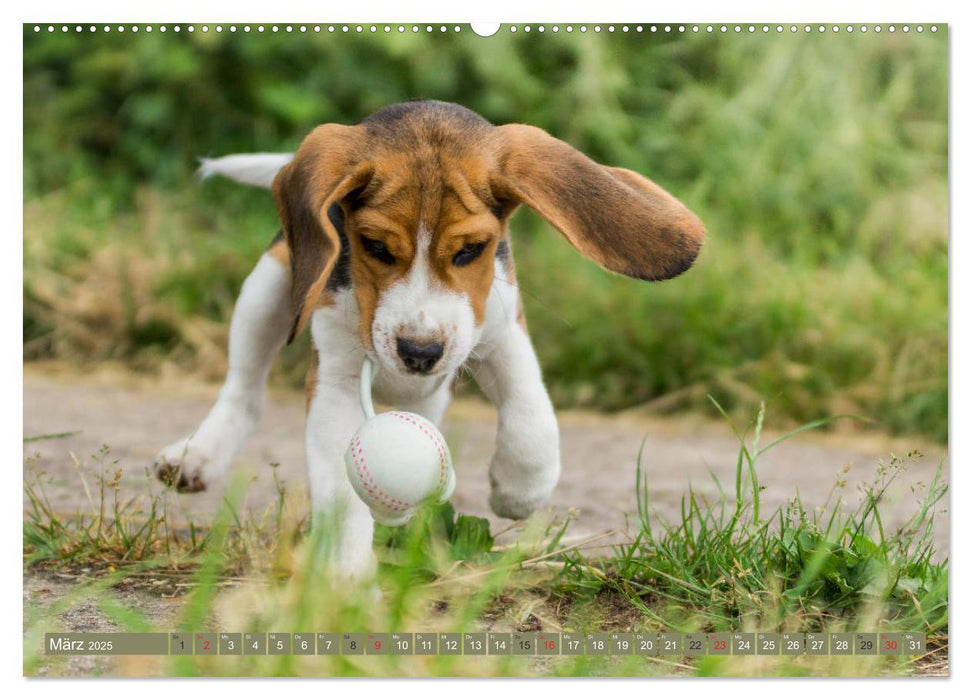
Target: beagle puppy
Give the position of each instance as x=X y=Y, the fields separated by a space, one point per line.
x=395 y=244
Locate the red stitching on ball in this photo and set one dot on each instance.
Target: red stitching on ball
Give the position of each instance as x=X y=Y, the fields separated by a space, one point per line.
x=360 y=466
x=439 y=447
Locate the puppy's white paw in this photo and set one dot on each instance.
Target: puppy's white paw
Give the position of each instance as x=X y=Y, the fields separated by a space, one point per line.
x=515 y=506
x=520 y=487
x=526 y=465
x=198 y=460
x=183 y=466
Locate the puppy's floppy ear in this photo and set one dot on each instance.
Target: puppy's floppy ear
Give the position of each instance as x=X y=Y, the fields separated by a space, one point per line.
x=329 y=165
x=615 y=217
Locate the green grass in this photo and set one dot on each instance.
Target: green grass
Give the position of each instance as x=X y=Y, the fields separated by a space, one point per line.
x=790 y=569
x=818 y=163
x=726 y=564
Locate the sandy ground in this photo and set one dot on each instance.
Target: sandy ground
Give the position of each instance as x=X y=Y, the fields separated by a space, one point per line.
x=135 y=417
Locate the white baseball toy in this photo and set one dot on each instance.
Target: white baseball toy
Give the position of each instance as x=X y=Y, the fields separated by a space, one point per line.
x=397 y=460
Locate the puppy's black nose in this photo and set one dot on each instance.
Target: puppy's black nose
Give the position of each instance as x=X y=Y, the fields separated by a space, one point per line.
x=419 y=357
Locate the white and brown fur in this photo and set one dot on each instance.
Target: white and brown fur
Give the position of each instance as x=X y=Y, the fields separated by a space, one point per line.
x=395 y=231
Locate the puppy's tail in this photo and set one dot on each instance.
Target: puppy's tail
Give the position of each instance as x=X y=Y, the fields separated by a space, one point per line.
x=257 y=169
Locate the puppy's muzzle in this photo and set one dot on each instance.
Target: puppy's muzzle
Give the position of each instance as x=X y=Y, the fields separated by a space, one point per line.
x=418 y=356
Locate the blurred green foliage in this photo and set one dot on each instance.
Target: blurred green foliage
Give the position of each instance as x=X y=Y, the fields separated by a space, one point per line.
x=817 y=161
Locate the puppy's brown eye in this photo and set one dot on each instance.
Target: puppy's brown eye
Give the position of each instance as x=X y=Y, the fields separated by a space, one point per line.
x=377 y=250
x=469 y=252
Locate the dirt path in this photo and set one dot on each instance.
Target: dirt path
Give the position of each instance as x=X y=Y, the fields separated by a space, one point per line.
x=135 y=417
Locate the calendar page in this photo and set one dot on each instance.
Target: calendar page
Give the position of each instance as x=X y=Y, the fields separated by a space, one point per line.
x=386 y=349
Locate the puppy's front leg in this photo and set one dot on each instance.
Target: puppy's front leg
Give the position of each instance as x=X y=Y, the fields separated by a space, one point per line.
x=257 y=332
x=334 y=414
x=526 y=463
